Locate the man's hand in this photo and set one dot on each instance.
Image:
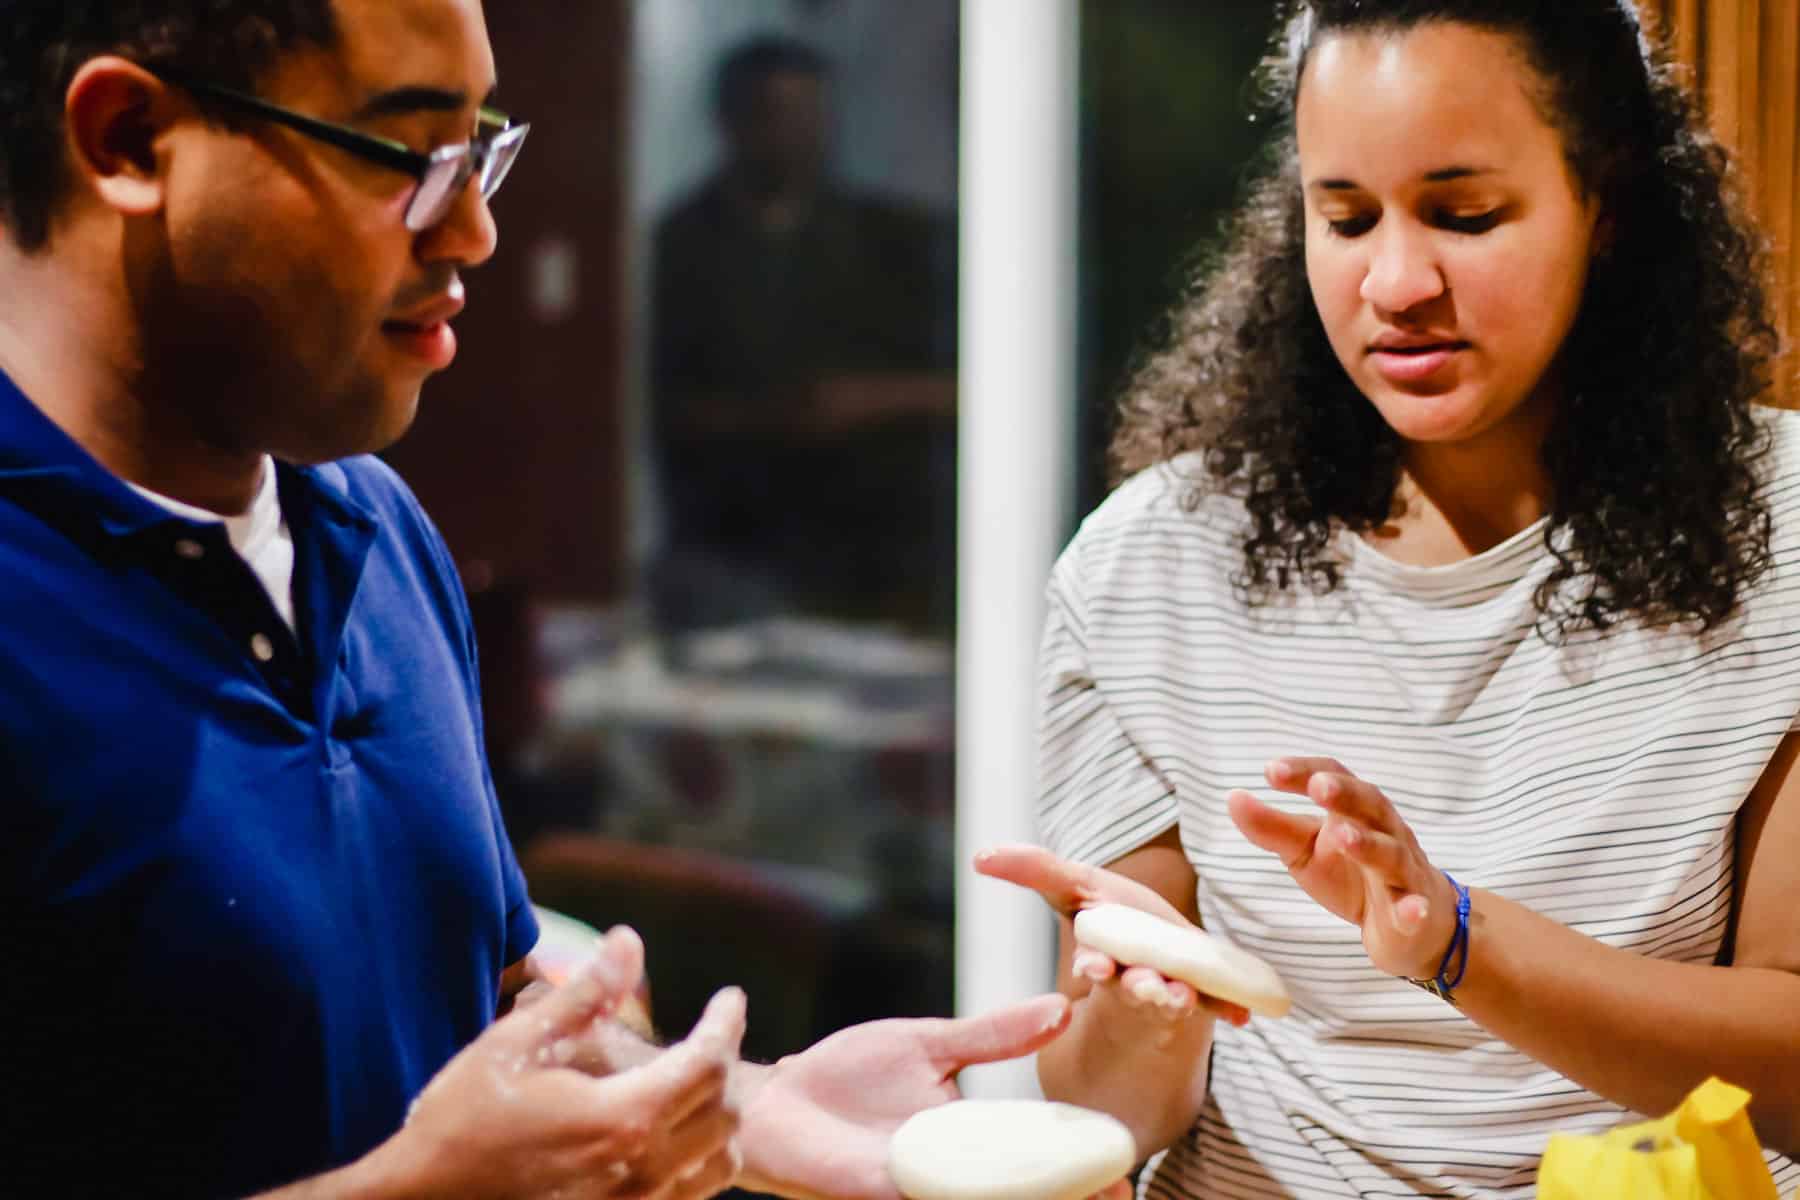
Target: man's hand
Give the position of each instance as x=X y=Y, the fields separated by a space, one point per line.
x=523 y=984
x=514 y=1115
x=818 y=1124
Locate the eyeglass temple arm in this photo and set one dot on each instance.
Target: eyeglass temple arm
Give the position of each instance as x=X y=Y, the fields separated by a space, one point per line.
x=381 y=150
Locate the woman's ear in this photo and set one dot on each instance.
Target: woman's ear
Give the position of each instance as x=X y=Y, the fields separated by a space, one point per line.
x=1605 y=233
x=114 y=113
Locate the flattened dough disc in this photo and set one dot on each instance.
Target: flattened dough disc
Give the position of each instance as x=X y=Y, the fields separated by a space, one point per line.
x=1210 y=964
x=1008 y=1150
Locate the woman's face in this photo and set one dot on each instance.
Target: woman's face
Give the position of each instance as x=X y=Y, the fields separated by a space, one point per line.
x=1447 y=242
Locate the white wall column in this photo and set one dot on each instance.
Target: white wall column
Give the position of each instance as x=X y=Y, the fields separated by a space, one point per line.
x=1019 y=188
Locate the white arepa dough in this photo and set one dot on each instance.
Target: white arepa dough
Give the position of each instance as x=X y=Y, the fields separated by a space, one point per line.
x=1008 y=1150
x=1218 y=968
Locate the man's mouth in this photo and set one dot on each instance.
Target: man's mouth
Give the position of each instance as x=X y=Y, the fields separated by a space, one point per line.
x=433 y=343
x=423 y=331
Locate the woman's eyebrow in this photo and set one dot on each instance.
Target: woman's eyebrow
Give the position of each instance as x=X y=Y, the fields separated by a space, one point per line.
x=1451 y=174
x=1440 y=175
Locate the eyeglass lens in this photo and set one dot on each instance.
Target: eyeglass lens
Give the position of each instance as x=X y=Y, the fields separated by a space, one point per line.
x=437 y=192
x=446 y=178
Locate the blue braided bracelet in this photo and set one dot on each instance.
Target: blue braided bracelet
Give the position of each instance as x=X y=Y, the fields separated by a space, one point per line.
x=1458 y=951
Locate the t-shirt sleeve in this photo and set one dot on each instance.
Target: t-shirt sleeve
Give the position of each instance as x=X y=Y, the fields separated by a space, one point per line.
x=1100 y=797
x=521 y=918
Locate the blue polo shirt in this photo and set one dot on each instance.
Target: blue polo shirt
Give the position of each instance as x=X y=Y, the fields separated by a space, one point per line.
x=255 y=885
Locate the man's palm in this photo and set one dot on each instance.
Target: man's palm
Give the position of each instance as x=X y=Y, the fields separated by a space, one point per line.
x=821 y=1123
x=839 y=1121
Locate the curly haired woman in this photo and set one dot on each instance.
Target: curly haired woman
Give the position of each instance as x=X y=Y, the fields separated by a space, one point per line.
x=1446 y=631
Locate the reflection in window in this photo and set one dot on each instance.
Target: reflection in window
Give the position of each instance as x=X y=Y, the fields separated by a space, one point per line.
x=801 y=396
x=769 y=722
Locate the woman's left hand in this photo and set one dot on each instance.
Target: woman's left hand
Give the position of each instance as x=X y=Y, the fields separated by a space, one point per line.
x=1359 y=860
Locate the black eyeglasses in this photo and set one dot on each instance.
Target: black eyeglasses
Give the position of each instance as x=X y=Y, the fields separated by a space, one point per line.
x=441 y=175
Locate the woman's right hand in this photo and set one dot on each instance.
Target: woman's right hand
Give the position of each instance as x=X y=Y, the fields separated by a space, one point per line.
x=1145 y=994
x=1138 y=1044
x=1141 y=994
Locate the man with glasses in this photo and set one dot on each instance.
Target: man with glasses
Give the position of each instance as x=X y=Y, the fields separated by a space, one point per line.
x=259 y=912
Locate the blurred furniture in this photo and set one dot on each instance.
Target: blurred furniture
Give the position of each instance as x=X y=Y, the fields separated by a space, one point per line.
x=812 y=744
x=772 y=808
x=706 y=921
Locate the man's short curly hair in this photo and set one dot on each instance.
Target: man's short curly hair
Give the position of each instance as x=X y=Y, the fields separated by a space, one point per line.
x=43 y=43
x=1656 y=513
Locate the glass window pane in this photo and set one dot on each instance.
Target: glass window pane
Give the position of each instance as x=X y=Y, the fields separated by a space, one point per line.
x=697 y=464
x=793 y=210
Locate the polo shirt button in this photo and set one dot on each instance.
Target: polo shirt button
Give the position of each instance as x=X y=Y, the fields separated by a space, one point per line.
x=262 y=647
x=189 y=549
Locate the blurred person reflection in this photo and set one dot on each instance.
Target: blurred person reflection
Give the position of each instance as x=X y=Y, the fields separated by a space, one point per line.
x=803 y=401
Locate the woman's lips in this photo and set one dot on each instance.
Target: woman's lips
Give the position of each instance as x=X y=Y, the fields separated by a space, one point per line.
x=1414 y=364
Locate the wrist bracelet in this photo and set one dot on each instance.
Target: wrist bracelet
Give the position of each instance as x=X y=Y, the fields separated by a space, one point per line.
x=1444 y=984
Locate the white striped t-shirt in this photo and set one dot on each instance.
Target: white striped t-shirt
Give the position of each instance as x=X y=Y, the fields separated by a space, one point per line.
x=1596 y=783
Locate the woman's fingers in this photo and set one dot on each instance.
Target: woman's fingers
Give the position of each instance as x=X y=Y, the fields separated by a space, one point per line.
x=1225 y=1010
x=1385 y=856
x=1359 y=859
x=1068 y=887
x=1172 y=999
x=1357 y=799
x=1334 y=787
x=1063 y=885
x=1145 y=989
x=1288 y=836
x=1092 y=965
x=1292 y=773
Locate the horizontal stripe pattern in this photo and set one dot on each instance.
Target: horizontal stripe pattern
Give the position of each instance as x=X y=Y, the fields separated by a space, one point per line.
x=1596 y=781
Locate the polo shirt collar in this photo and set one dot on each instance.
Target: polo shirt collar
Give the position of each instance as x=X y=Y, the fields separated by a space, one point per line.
x=37 y=453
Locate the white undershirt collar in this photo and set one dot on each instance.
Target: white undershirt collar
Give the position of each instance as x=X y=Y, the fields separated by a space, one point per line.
x=259 y=535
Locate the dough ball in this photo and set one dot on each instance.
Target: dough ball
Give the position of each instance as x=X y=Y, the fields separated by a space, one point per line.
x=1008 y=1150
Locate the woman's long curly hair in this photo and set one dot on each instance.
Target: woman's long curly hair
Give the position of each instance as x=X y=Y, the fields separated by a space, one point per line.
x=1656 y=511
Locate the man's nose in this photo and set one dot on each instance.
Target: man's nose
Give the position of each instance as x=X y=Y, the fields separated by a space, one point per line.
x=468 y=235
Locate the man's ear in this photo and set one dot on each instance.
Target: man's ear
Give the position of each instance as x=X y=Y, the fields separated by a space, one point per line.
x=114 y=114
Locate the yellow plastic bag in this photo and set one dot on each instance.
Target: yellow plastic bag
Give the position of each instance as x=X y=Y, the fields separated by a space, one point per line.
x=1704 y=1150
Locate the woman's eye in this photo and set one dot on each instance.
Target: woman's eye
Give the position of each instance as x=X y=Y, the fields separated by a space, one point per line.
x=1469 y=222
x=1351 y=226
